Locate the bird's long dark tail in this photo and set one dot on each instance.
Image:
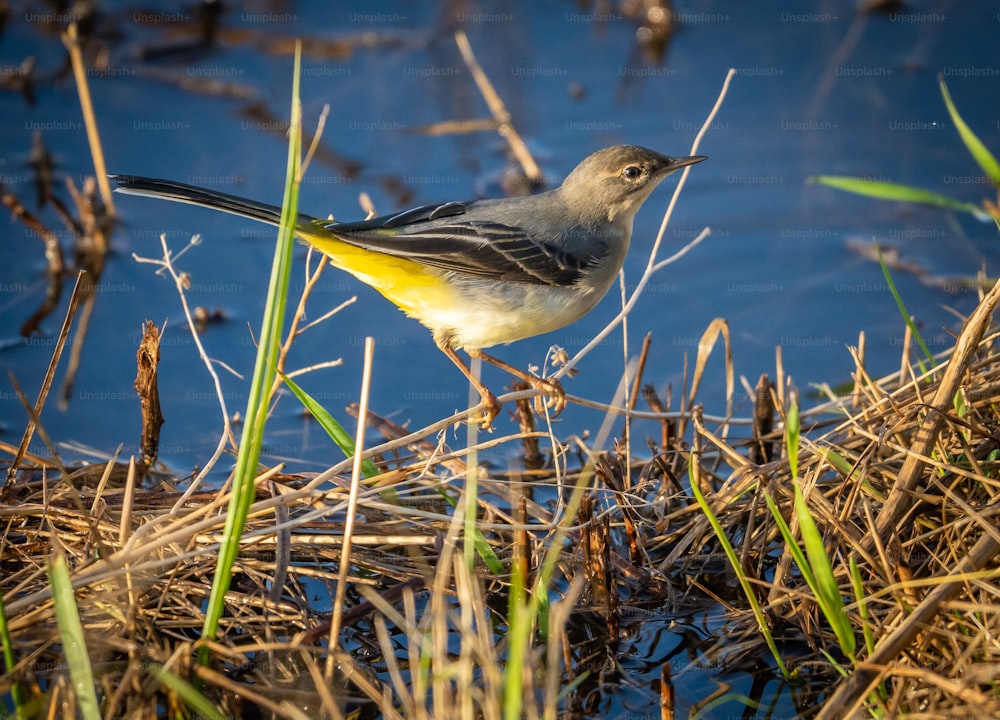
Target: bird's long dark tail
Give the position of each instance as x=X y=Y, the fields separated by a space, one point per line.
x=406 y=283
x=180 y=192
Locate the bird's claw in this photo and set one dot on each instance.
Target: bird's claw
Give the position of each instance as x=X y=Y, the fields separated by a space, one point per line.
x=553 y=397
x=492 y=410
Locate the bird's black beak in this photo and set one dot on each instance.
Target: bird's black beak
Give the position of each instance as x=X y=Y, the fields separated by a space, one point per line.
x=679 y=162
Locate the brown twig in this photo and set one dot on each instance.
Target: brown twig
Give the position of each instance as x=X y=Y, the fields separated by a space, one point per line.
x=46 y=381
x=505 y=125
x=146 y=384
x=72 y=42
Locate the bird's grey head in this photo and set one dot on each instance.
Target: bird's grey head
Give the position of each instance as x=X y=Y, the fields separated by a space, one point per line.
x=615 y=181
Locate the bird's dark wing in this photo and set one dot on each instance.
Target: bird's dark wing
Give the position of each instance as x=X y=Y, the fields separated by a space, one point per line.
x=442 y=237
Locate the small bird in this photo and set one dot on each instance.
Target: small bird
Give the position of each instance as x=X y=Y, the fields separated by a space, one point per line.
x=485 y=272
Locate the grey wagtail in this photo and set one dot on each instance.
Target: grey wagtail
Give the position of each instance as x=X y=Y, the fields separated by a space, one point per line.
x=486 y=272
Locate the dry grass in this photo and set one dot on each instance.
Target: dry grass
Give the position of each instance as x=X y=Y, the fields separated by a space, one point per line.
x=422 y=636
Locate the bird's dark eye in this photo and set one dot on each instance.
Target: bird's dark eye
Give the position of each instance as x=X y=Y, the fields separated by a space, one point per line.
x=631 y=172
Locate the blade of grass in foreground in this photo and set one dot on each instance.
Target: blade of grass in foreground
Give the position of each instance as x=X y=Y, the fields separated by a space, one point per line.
x=71 y=636
x=265 y=369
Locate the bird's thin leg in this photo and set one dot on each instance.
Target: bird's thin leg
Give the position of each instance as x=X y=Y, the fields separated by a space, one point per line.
x=551 y=386
x=488 y=398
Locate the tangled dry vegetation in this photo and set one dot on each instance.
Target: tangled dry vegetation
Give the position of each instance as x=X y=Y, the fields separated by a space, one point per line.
x=904 y=482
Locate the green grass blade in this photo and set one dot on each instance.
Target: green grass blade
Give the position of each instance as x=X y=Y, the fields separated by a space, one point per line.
x=980 y=153
x=201 y=705
x=535 y=612
x=836 y=617
x=851 y=474
x=958 y=402
x=333 y=428
x=792 y=437
x=709 y=709
x=902 y=311
x=471 y=536
x=71 y=637
x=896 y=192
x=827 y=590
x=734 y=561
x=790 y=542
x=18 y=694
x=858 y=585
x=518 y=643
x=814 y=564
x=840 y=463
x=793 y=429
x=482 y=545
x=265 y=370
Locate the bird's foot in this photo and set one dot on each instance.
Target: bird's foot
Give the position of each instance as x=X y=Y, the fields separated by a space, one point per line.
x=554 y=397
x=492 y=409
x=552 y=400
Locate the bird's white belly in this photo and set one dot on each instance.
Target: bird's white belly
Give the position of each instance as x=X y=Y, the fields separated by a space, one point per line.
x=502 y=313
